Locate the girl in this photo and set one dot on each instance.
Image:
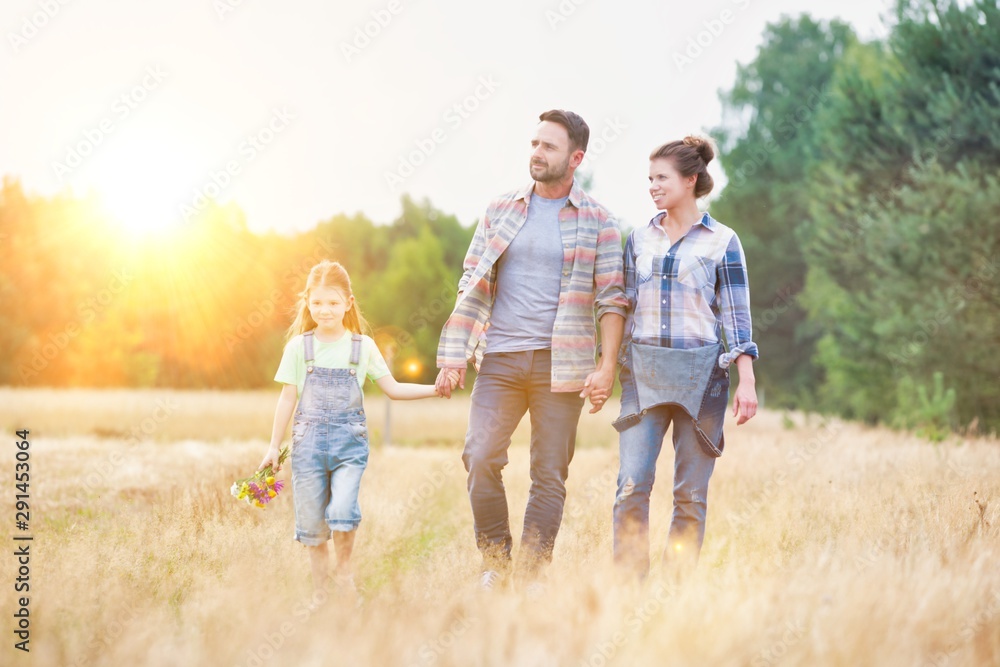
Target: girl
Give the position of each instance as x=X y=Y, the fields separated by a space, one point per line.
x=686 y=281
x=324 y=366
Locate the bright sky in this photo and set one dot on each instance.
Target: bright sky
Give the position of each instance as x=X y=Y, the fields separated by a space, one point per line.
x=294 y=113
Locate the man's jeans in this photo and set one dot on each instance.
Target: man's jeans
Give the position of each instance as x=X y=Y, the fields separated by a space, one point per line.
x=508 y=384
x=639 y=447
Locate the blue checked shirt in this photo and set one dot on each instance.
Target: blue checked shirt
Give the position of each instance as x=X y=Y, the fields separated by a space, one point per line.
x=686 y=294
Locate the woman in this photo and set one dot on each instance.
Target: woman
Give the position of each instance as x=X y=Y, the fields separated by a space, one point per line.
x=686 y=281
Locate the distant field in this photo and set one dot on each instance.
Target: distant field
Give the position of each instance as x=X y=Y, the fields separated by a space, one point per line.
x=828 y=544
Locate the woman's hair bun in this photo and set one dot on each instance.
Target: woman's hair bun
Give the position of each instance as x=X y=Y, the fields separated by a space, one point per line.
x=701 y=144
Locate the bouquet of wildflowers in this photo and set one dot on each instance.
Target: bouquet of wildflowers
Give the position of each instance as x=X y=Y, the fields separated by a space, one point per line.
x=260 y=487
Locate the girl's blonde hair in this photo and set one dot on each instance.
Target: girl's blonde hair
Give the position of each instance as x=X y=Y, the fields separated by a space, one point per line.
x=326 y=274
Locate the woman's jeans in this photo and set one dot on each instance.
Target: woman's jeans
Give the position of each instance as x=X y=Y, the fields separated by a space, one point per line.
x=639 y=448
x=694 y=461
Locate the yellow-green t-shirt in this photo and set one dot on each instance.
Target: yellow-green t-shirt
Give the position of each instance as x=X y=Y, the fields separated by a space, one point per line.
x=292 y=369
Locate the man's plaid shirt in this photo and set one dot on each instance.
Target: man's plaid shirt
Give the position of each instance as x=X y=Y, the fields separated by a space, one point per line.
x=592 y=284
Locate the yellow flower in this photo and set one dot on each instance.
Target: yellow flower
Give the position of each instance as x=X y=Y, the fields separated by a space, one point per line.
x=258 y=503
x=270 y=481
x=271 y=493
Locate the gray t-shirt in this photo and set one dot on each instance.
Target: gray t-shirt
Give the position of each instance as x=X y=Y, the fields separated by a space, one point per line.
x=528 y=282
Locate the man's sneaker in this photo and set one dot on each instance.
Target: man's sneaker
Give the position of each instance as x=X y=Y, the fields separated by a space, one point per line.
x=490 y=580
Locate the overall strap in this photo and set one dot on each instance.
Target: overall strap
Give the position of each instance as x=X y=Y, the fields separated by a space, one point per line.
x=307 y=339
x=355 y=349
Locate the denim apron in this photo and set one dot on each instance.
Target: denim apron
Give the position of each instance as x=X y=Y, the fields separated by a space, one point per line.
x=329 y=444
x=688 y=378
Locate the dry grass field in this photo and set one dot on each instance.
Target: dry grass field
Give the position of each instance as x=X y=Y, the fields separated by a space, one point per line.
x=828 y=543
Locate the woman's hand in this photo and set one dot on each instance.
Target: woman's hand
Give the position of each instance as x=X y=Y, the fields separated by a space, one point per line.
x=598 y=386
x=271 y=459
x=745 y=402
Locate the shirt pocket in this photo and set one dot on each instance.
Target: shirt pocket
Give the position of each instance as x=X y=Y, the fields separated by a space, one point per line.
x=696 y=272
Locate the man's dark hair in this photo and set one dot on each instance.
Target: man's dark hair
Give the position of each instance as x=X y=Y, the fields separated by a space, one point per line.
x=576 y=127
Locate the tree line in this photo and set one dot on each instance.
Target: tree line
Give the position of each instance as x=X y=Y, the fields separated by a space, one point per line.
x=862 y=179
x=208 y=305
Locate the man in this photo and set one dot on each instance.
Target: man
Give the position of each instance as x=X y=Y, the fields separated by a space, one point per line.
x=544 y=261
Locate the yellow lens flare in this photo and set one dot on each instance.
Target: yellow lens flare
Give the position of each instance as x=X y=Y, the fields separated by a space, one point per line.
x=413 y=367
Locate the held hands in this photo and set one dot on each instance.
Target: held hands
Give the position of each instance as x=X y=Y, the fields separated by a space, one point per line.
x=447 y=379
x=597 y=387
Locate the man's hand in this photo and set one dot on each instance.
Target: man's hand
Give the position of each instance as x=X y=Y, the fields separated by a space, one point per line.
x=598 y=386
x=447 y=379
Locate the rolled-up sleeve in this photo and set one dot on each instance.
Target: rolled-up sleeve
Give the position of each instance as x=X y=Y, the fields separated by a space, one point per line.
x=609 y=281
x=734 y=303
x=628 y=260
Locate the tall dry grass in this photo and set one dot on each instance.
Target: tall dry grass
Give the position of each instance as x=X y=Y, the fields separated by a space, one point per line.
x=827 y=544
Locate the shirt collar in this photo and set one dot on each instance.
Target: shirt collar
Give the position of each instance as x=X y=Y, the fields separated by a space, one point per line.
x=706 y=220
x=575 y=193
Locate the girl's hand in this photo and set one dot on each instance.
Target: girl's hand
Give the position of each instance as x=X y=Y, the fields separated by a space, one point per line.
x=271 y=459
x=745 y=402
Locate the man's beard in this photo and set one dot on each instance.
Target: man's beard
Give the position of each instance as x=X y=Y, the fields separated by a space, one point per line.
x=549 y=174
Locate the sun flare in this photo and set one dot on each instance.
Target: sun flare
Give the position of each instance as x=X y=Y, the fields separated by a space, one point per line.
x=142 y=184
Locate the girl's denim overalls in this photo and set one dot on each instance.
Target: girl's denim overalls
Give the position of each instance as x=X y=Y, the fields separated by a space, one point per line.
x=329 y=448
